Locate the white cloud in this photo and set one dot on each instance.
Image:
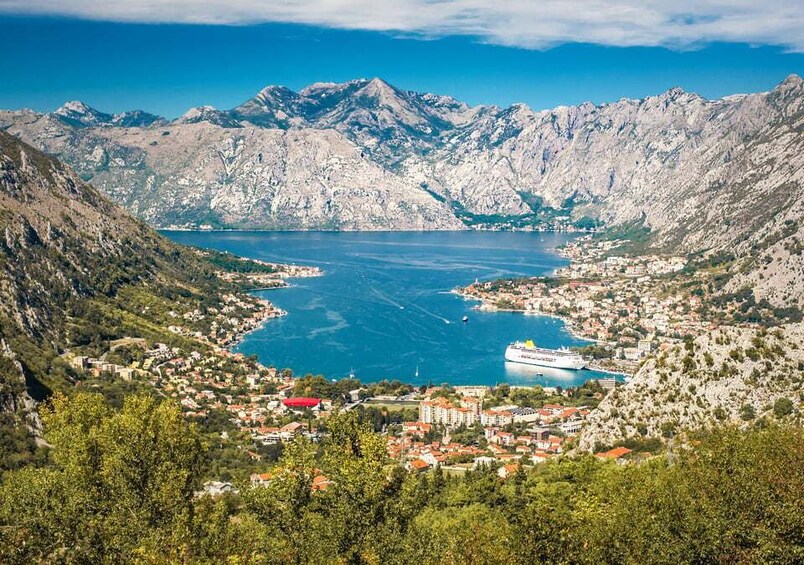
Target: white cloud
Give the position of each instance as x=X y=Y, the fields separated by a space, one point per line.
x=521 y=23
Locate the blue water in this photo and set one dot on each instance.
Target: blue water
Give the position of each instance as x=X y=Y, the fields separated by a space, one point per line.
x=384 y=307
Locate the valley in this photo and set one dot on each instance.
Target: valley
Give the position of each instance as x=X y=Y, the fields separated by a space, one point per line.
x=690 y=283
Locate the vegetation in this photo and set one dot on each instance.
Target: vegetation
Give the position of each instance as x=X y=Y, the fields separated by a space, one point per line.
x=234 y=264
x=635 y=232
x=338 y=391
x=588 y=394
x=733 y=498
x=74 y=281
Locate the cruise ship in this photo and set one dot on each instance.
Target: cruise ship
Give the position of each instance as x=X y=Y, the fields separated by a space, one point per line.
x=528 y=354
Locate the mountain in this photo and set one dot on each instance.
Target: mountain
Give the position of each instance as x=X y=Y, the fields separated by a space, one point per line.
x=76 y=270
x=136 y=118
x=208 y=114
x=727 y=375
x=701 y=175
x=78 y=114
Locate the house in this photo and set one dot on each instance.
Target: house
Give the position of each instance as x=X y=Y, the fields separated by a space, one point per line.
x=432 y=458
x=260 y=479
x=289 y=431
x=415 y=428
x=525 y=414
x=216 y=488
x=320 y=482
x=496 y=417
x=496 y=449
x=80 y=362
x=417 y=465
x=508 y=470
x=504 y=438
x=483 y=461
x=472 y=390
x=571 y=426
x=617 y=454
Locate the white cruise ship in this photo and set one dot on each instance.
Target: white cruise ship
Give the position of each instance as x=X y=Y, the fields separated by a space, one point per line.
x=527 y=353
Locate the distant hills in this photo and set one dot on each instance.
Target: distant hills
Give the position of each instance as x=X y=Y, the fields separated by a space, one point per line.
x=700 y=175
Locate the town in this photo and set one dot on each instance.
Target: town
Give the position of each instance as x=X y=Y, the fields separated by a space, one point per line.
x=627 y=306
x=253 y=410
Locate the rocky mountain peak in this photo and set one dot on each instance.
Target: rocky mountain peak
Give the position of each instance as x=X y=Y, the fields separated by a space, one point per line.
x=208 y=114
x=674 y=92
x=792 y=86
x=378 y=87
x=273 y=106
x=136 y=118
x=79 y=114
x=74 y=107
x=676 y=95
x=792 y=81
x=273 y=97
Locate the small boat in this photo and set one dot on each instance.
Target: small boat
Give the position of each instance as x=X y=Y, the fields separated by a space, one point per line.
x=465 y=319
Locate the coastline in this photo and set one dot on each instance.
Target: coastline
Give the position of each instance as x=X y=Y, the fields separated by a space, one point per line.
x=241 y=335
x=485 y=306
x=270 y=311
x=372 y=230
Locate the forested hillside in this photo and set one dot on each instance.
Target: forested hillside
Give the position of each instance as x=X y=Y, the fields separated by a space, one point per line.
x=730 y=497
x=76 y=271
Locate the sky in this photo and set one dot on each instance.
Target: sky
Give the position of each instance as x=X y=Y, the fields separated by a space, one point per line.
x=167 y=56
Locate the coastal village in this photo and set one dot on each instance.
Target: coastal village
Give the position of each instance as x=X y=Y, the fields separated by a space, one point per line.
x=456 y=429
x=627 y=306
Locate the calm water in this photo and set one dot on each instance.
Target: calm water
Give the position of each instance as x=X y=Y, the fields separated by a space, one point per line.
x=384 y=308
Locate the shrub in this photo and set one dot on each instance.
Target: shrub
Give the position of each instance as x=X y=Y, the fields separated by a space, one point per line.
x=782 y=407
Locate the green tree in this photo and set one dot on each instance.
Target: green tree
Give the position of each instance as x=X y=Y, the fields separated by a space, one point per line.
x=473 y=534
x=356 y=508
x=120 y=485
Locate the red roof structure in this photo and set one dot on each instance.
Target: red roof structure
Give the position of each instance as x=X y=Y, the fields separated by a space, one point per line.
x=301 y=402
x=615 y=453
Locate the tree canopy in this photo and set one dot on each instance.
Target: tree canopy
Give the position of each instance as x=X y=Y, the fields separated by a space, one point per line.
x=120 y=486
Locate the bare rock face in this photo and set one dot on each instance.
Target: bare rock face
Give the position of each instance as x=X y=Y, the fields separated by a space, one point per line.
x=702 y=175
x=730 y=375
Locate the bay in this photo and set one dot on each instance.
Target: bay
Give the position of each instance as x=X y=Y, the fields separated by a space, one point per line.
x=384 y=310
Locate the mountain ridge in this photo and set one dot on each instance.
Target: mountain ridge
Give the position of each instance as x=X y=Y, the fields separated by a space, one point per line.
x=77 y=270
x=700 y=175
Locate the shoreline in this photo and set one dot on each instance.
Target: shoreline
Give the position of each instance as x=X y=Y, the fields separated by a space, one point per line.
x=369 y=230
x=240 y=336
x=485 y=306
x=271 y=311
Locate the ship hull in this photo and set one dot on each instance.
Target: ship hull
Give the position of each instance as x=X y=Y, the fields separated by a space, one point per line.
x=542 y=358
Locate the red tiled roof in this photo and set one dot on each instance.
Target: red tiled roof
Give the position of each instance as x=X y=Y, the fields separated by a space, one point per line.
x=615 y=453
x=419 y=464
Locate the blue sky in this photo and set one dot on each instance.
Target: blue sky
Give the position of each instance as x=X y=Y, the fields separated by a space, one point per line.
x=166 y=68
